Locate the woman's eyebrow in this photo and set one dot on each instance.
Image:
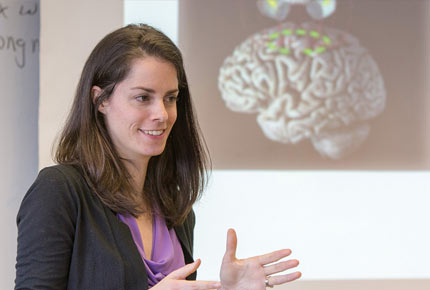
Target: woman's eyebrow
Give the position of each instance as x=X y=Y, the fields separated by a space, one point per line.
x=143 y=89
x=152 y=91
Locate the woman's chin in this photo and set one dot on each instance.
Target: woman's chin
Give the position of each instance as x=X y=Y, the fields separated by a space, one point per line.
x=153 y=153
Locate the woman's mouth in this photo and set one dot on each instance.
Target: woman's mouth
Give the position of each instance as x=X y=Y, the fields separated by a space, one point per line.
x=153 y=132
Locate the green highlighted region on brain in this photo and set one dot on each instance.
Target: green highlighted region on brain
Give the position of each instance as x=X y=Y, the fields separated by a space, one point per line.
x=276 y=43
x=305 y=82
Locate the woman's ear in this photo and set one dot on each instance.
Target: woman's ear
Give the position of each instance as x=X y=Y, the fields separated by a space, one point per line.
x=95 y=93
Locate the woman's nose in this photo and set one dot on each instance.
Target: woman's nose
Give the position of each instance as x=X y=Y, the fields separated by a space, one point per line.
x=159 y=111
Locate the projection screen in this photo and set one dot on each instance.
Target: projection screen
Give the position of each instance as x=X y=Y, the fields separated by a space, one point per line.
x=315 y=113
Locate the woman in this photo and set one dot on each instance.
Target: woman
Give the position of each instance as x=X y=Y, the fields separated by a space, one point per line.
x=116 y=213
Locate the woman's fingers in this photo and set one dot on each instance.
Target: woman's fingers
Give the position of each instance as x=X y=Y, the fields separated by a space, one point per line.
x=280 y=267
x=273 y=256
x=200 y=285
x=282 y=279
x=185 y=271
x=178 y=276
x=230 y=251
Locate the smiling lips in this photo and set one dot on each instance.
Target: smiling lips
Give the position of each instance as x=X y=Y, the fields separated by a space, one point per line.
x=152 y=132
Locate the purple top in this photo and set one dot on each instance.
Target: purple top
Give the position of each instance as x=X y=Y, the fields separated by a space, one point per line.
x=166 y=255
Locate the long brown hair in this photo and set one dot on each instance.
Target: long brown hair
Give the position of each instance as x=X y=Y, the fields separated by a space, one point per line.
x=176 y=178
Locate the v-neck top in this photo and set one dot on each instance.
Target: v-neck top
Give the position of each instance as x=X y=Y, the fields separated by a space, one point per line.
x=166 y=255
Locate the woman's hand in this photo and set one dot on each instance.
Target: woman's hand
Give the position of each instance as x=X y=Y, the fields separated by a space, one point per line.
x=252 y=273
x=176 y=280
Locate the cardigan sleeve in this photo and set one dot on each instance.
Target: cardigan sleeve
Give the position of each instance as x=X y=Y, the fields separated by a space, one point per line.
x=185 y=234
x=190 y=228
x=46 y=223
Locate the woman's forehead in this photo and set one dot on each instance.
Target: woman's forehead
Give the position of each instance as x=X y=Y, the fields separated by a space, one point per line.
x=152 y=71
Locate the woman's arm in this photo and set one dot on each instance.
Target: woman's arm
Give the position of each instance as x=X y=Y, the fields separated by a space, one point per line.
x=46 y=224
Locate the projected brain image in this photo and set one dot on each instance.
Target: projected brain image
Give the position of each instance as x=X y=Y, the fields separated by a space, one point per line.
x=305 y=82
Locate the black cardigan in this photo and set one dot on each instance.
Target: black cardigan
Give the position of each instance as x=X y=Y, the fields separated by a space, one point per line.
x=68 y=239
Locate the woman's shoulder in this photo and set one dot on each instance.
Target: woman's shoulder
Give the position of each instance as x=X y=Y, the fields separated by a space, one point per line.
x=58 y=183
x=61 y=172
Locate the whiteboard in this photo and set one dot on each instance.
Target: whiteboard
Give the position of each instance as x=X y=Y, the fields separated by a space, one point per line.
x=19 y=87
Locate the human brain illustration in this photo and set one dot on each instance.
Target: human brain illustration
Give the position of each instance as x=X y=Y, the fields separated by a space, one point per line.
x=305 y=82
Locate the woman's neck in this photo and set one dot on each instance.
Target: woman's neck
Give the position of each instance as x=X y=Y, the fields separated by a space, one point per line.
x=137 y=171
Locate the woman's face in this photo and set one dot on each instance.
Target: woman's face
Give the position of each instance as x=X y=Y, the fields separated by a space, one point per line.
x=141 y=111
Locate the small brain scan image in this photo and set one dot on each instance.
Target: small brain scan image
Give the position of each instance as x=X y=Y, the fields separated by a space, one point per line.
x=305 y=82
x=279 y=9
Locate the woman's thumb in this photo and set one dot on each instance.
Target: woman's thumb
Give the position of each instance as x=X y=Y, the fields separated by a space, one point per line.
x=185 y=271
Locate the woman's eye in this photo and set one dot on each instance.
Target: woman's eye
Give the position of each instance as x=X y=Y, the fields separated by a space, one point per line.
x=172 y=99
x=142 y=98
